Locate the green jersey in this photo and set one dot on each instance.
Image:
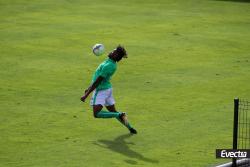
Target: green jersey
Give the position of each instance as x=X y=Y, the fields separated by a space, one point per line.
x=106 y=69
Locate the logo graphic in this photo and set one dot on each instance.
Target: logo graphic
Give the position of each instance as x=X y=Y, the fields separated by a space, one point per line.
x=231 y=153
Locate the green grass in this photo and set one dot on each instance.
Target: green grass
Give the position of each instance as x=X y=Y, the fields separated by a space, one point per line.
x=187 y=61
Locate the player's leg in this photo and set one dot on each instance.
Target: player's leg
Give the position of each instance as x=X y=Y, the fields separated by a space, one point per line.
x=97 y=101
x=99 y=113
x=123 y=118
x=110 y=105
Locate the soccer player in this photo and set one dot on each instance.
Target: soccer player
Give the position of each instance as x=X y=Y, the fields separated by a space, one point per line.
x=102 y=95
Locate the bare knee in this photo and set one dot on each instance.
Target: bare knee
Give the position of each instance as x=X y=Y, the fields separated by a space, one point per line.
x=96 y=110
x=111 y=108
x=95 y=114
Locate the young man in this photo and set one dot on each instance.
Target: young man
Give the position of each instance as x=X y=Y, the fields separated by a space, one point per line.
x=102 y=88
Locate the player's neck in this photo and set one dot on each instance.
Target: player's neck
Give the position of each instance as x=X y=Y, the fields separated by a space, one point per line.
x=112 y=58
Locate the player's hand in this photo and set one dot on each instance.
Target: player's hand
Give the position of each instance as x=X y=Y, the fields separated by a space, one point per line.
x=83 y=98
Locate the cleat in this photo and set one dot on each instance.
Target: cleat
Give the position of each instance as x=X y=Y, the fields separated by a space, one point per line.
x=122 y=115
x=123 y=118
x=132 y=131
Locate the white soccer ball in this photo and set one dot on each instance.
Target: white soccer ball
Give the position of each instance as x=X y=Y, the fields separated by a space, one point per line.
x=98 y=49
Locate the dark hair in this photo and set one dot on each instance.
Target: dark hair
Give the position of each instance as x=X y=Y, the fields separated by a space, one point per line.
x=121 y=51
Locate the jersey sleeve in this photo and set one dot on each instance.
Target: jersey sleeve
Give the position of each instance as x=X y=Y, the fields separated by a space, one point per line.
x=107 y=70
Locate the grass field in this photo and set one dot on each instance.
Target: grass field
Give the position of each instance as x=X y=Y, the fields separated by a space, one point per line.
x=187 y=61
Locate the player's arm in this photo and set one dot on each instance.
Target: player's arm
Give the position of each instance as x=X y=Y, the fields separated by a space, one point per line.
x=92 y=87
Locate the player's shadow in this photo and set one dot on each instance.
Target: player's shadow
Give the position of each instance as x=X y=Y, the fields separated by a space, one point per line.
x=120 y=146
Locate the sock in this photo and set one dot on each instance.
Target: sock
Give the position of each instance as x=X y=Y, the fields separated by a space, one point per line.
x=127 y=125
x=105 y=114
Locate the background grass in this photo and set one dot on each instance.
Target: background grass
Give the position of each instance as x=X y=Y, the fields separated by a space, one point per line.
x=187 y=61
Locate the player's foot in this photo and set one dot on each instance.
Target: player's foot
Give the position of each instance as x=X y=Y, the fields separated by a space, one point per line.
x=123 y=118
x=132 y=131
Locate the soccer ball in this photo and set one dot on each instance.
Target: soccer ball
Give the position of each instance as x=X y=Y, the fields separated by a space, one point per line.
x=98 y=49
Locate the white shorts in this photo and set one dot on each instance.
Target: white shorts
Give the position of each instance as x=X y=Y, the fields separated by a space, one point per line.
x=103 y=97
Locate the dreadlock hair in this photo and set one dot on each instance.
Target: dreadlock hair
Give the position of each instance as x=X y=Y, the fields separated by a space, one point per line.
x=121 y=51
